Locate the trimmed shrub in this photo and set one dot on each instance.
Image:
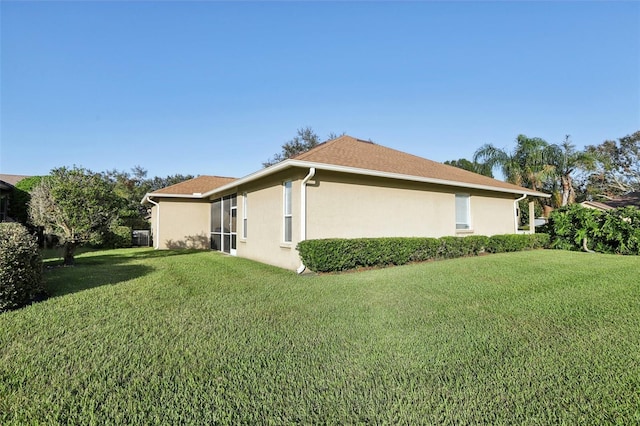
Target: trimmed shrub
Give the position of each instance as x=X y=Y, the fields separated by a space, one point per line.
x=507 y=243
x=20 y=267
x=333 y=255
x=425 y=249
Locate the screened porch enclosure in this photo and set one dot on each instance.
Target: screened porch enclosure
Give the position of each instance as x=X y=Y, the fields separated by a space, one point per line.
x=224 y=221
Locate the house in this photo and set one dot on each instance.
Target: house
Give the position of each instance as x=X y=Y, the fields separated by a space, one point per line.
x=343 y=188
x=7 y=185
x=630 y=199
x=596 y=205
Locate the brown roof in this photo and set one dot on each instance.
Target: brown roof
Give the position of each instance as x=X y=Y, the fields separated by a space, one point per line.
x=198 y=185
x=351 y=152
x=630 y=199
x=596 y=205
x=12 y=179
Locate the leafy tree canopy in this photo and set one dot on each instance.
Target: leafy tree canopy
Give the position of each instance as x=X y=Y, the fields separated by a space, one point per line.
x=526 y=165
x=75 y=204
x=617 y=167
x=132 y=186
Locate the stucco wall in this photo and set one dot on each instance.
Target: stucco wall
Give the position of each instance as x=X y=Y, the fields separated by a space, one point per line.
x=347 y=206
x=265 y=221
x=343 y=206
x=492 y=214
x=338 y=206
x=184 y=223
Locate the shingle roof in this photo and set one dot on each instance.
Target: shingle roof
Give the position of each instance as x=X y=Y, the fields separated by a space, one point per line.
x=630 y=199
x=596 y=205
x=351 y=152
x=198 y=185
x=355 y=156
x=12 y=179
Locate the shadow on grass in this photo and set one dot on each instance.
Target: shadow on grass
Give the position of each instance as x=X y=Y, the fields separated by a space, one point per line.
x=116 y=257
x=100 y=268
x=60 y=281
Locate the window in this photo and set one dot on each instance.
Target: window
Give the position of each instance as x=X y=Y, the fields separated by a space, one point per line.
x=244 y=215
x=288 y=228
x=463 y=212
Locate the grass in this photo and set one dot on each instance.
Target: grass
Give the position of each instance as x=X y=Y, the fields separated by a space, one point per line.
x=159 y=337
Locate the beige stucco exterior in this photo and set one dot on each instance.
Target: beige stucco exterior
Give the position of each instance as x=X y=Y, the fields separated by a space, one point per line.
x=184 y=223
x=342 y=206
x=265 y=220
x=339 y=205
x=345 y=206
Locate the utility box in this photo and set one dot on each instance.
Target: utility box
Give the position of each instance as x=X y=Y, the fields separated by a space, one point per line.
x=141 y=238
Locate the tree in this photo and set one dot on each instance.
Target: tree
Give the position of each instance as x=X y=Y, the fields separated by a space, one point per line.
x=305 y=140
x=527 y=165
x=75 y=204
x=131 y=187
x=617 y=167
x=566 y=160
x=162 y=182
x=465 y=164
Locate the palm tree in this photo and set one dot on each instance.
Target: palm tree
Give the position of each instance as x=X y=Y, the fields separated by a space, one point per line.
x=566 y=160
x=526 y=166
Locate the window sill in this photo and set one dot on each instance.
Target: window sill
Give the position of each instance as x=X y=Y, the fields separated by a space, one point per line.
x=242 y=240
x=464 y=231
x=286 y=245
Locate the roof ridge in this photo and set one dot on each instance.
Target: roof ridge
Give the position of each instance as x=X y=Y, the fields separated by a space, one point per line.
x=327 y=144
x=213 y=176
x=316 y=148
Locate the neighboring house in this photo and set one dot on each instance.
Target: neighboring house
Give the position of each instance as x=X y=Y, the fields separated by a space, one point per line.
x=343 y=188
x=630 y=199
x=596 y=205
x=7 y=184
x=5 y=194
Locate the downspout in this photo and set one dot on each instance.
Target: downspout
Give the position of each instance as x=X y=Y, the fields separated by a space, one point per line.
x=303 y=211
x=157 y=236
x=515 y=211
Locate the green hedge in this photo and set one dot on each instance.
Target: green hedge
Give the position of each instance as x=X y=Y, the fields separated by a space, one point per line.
x=20 y=267
x=331 y=255
x=519 y=242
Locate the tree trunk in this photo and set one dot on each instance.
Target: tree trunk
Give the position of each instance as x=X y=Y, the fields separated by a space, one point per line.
x=69 y=253
x=568 y=193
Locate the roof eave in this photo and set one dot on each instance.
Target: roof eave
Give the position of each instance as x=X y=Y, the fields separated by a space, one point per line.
x=344 y=169
x=368 y=172
x=149 y=195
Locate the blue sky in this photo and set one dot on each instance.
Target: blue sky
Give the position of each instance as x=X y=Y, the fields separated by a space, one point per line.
x=216 y=88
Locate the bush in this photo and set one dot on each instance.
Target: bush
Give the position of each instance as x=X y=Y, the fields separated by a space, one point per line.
x=332 y=255
x=616 y=231
x=118 y=237
x=516 y=242
x=20 y=267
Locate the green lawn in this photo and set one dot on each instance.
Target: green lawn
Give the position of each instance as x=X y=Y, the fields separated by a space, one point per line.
x=147 y=337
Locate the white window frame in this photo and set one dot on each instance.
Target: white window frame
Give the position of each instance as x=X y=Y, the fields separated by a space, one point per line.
x=245 y=222
x=466 y=225
x=287 y=210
